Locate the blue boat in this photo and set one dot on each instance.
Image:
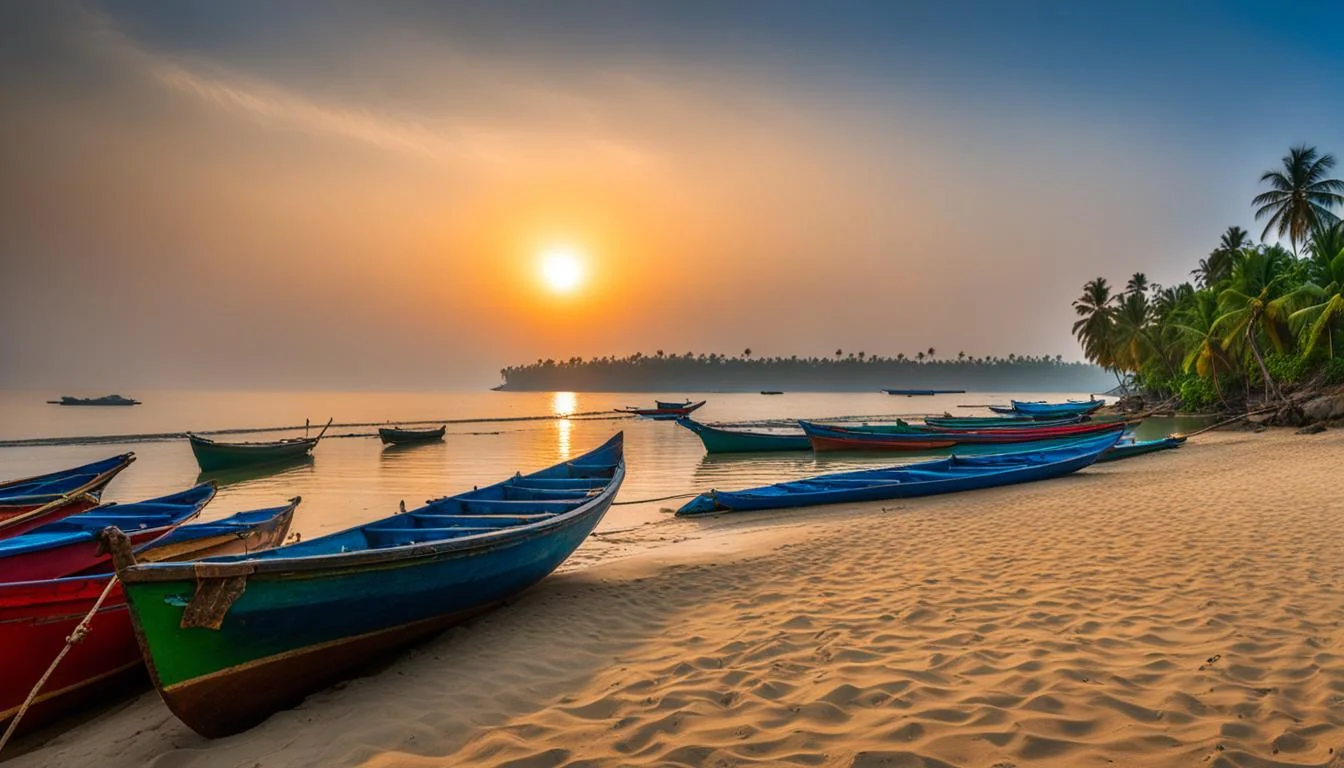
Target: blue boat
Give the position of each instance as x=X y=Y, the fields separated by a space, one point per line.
x=955 y=473
x=29 y=502
x=1070 y=408
x=230 y=640
x=72 y=546
x=250 y=531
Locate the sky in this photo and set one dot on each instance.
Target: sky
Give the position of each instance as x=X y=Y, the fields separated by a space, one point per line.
x=352 y=195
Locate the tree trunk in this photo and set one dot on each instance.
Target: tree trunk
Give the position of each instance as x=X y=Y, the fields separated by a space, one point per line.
x=1271 y=390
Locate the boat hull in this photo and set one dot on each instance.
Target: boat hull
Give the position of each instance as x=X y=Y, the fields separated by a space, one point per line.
x=899 y=482
x=1141 y=447
x=32 y=502
x=404 y=436
x=903 y=437
x=738 y=441
x=212 y=456
x=289 y=634
x=37 y=616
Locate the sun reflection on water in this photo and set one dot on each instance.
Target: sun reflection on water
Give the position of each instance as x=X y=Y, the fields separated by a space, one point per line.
x=564 y=403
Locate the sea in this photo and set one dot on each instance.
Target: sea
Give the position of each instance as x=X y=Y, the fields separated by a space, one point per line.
x=353 y=478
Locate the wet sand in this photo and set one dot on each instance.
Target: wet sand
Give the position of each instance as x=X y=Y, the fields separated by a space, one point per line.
x=1179 y=609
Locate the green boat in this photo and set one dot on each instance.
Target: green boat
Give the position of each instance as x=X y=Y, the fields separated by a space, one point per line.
x=212 y=455
x=1129 y=448
x=718 y=440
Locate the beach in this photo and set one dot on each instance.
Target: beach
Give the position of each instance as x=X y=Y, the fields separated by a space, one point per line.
x=1183 y=608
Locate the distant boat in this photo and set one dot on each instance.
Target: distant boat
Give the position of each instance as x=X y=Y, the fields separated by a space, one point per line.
x=33 y=501
x=1053 y=410
x=663 y=411
x=924 y=392
x=955 y=473
x=231 y=640
x=719 y=440
x=212 y=455
x=771 y=392
x=36 y=617
x=398 y=436
x=104 y=400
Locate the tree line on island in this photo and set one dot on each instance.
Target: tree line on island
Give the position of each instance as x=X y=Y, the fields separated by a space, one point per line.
x=1256 y=320
x=842 y=371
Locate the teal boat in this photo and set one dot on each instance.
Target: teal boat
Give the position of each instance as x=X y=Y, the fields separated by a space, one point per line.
x=718 y=440
x=1128 y=447
x=212 y=455
x=991 y=422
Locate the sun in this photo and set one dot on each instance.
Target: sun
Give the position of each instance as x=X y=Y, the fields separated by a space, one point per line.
x=561 y=269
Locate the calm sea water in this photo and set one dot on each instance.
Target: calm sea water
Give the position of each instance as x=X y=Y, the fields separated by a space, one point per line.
x=353 y=478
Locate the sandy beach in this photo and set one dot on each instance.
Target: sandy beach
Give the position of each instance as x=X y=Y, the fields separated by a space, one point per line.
x=1180 y=609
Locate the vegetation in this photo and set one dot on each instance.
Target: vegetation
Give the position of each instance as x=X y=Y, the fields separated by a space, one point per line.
x=852 y=371
x=1257 y=318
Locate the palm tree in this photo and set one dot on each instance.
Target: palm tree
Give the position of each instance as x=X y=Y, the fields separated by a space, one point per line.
x=1096 y=330
x=746 y=352
x=1137 y=284
x=1252 y=304
x=1218 y=265
x=1300 y=196
x=1198 y=322
x=1319 y=303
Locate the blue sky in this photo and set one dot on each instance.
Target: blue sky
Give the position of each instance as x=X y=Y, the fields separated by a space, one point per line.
x=898 y=173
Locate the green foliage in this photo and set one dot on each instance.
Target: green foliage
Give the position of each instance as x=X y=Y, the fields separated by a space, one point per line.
x=1196 y=394
x=1333 y=371
x=1285 y=368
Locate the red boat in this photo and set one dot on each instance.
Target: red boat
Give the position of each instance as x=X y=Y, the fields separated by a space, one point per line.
x=904 y=437
x=30 y=502
x=71 y=546
x=663 y=410
x=37 y=616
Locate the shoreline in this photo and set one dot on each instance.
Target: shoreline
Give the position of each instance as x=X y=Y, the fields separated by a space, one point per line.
x=1176 y=609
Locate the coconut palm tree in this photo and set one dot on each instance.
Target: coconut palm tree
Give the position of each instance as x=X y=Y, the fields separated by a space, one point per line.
x=1319 y=302
x=1301 y=196
x=1218 y=265
x=1253 y=303
x=1198 y=323
x=1096 y=328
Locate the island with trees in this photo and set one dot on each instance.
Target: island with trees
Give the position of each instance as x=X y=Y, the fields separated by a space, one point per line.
x=839 y=372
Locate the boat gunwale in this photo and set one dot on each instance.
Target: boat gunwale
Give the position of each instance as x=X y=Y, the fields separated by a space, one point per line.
x=381 y=556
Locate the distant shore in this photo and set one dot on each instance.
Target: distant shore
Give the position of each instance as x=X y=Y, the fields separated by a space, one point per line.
x=1178 y=609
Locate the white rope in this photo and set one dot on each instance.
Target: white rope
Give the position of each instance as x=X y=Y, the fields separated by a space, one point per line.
x=81 y=630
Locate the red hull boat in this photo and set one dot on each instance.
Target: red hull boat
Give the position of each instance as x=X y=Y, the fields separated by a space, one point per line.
x=31 y=502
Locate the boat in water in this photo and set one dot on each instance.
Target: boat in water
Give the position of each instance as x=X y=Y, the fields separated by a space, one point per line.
x=398 y=436
x=924 y=392
x=907 y=437
x=663 y=411
x=212 y=455
x=36 y=617
x=720 y=440
x=231 y=640
x=30 y=502
x=949 y=475
x=104 y=400
x=71 y=545
x=1054 y=410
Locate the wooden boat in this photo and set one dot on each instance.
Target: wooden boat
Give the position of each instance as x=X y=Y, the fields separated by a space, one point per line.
x=104 y=400
x=1070 y=408
x=260 y=632
x=955 y=473
x=212 y=455
x=924 y=392
x=34 y=501
x=719 y=440
x=70 y=545
x=664 y=411
x=771 y=392
x=1129 y=447
x=398 y=436
x=906 y=437
x=994 y=422
x=37 y=616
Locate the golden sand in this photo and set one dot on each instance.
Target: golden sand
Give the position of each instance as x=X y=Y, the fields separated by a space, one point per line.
x=1179 y=609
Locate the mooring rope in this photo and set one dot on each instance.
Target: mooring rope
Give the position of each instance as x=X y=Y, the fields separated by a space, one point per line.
x=660 y=498
x=80 y=631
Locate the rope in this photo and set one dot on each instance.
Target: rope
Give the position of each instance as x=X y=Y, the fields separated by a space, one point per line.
x=80 y=631
x=660 y=498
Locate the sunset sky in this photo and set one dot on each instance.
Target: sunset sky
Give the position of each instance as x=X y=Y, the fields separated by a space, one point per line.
x=334 y=194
